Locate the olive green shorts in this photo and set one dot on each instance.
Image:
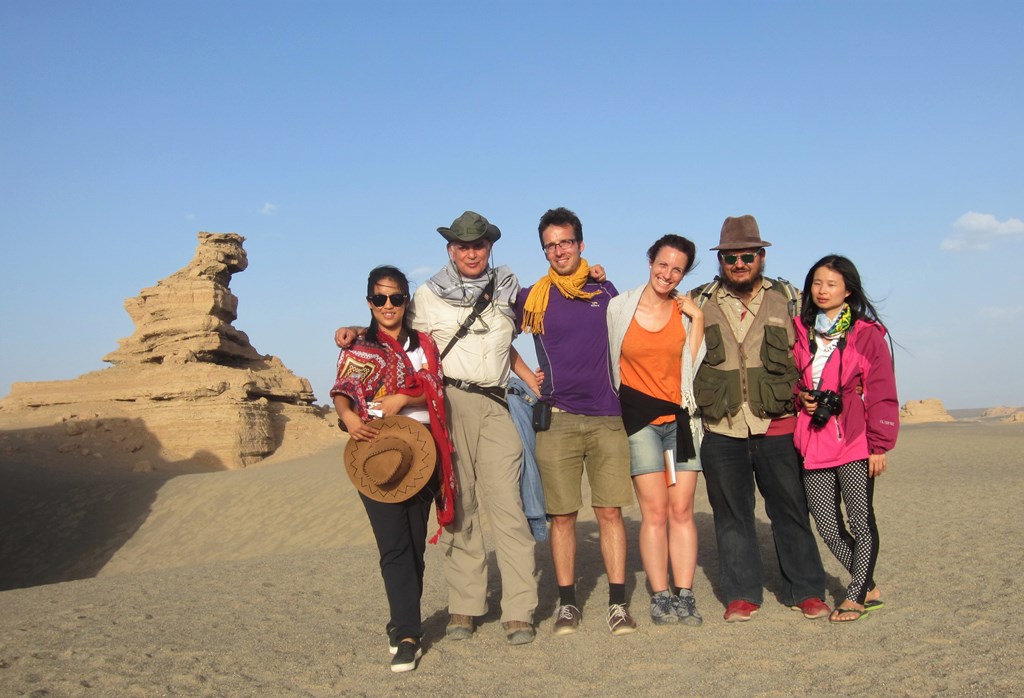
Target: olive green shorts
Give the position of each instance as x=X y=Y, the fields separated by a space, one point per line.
x=575 y=442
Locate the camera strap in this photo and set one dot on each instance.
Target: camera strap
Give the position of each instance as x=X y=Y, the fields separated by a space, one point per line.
x=813 y=346
x=481 y=302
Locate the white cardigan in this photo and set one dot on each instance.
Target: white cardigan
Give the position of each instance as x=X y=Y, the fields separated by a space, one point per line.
x=620 y=313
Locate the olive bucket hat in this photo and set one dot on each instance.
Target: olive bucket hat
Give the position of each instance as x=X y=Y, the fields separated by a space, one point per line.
x=740 y=233
x=468 y=227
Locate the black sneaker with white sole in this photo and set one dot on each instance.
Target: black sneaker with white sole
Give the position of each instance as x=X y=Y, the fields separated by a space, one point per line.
x=408 y=653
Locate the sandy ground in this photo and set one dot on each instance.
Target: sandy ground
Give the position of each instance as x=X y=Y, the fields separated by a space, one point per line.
x=265 y=582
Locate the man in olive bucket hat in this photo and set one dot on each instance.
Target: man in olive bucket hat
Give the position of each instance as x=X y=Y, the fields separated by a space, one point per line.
x=744 y=389
x=476 y=362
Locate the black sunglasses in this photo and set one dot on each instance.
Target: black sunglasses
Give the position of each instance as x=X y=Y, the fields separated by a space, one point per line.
x=747 y=258
x=379 y=299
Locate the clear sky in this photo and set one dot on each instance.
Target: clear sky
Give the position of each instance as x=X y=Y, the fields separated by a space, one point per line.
x=336 y=136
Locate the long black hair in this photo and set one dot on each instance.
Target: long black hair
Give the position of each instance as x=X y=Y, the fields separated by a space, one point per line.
x=378 y=274
x=860 y=305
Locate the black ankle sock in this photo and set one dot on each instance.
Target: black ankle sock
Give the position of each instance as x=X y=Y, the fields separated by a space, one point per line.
x=676 y=590
x=616 y=593
x=567 y=595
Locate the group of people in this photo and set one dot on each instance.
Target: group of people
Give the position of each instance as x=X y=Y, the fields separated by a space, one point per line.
x=641 y=390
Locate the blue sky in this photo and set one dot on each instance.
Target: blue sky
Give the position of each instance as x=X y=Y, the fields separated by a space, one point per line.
x=337 y=136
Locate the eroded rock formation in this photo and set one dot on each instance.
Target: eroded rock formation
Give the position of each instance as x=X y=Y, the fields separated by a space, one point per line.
x=921 y=411
x=186 y=382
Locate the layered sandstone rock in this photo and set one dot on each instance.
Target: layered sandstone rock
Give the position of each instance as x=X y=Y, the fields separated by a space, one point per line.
x=1001 y=411
x=921 y=411
x=185 y=385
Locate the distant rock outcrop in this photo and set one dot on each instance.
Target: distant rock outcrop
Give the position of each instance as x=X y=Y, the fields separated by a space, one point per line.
x=186 y=379
x=1001 y=411
x=921 y=411
x=1015 y=418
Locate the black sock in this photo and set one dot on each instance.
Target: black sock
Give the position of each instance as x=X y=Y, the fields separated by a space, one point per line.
x=616 y=593
x=567 y=595
x=676 y=590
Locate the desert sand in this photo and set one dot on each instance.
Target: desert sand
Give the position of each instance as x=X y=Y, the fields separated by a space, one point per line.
x=264 y=581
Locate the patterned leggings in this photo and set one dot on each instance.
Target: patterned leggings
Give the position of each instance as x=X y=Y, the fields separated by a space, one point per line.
x=859 y=551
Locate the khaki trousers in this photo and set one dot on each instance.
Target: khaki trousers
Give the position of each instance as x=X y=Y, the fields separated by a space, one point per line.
x=488 y=457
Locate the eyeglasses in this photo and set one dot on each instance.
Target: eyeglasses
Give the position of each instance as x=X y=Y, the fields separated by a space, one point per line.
x=561 y=245
x=379 y=299
x=748 y=258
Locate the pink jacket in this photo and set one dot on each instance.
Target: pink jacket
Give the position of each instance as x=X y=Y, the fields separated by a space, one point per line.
x=868 y=423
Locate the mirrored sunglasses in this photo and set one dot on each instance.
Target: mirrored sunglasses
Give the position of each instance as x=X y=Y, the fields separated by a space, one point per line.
x=379 y=299
x=747 y=258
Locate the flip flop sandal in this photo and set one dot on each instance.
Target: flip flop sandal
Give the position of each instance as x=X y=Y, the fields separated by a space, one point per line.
x=875 y=605
x=834 y=618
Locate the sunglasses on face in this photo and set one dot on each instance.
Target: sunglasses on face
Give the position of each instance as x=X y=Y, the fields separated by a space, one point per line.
x=379 y=299
x=747 y=258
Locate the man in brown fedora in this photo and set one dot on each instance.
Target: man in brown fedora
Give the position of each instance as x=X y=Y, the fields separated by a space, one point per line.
x=744 y=389
x=467 y=308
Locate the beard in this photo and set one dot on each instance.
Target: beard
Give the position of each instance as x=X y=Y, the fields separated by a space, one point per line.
x=742 y=288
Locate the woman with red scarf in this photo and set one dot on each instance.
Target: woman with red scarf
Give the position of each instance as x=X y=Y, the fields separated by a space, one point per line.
x=395 y=370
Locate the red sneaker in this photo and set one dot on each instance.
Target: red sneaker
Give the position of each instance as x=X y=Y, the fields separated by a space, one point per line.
x=813 y=608
x=740 y=611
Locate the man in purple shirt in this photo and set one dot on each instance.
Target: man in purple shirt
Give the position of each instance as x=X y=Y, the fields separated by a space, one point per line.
x=565 y=311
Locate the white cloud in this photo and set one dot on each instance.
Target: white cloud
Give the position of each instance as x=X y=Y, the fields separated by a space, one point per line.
x=977 y=231
x=190 y=217
x=268 y=209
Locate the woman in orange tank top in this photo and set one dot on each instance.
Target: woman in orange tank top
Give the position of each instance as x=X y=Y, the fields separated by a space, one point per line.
x=656 y=339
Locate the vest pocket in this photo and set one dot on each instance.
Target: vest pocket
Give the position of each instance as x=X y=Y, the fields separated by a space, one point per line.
x=711 y=390
x=715 y=347
x=776 y=356
x=777 y=395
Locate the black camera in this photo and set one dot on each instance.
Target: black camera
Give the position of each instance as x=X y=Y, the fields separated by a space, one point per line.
x=829 y=403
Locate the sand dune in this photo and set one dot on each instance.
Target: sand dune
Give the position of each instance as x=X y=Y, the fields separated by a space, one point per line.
x=264 y=582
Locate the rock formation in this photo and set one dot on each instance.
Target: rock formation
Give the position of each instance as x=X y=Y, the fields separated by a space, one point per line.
x=186 y=383
x=921 y=411
x=1001 y=411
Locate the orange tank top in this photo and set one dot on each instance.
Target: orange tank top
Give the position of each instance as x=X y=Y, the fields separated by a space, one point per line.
x=652 y=361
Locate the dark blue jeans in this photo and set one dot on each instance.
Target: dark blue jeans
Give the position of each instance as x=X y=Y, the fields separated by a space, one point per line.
x=731 y=467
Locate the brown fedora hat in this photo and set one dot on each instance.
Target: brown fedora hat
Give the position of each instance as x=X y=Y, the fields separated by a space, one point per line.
x=740 y=233
x=394 y=466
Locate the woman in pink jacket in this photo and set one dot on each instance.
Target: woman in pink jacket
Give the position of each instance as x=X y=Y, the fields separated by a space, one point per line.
x=849 y=422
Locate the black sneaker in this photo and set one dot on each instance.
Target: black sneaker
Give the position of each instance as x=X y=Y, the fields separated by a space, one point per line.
x=408 y=653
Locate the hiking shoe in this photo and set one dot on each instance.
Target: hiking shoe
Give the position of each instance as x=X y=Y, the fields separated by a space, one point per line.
x=519 y=632
x=740 y=611
x=662 y=612
x=460 y=627
x=813 y=608
x=407 y=654
x=567 y=620
x=620 y=621
x=392 y=639
x=685 y=608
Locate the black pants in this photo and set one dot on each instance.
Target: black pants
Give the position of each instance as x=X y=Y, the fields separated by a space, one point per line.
x=401 y=532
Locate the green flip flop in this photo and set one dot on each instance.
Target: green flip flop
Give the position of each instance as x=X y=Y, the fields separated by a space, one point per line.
x=875 y=605
x=841 y=611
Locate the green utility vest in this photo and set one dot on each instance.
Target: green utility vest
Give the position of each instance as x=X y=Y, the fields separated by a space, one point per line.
x=760 y=371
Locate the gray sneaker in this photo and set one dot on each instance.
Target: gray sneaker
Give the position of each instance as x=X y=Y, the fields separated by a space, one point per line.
x=620 y=621
x=685 y=607
x=662 y=610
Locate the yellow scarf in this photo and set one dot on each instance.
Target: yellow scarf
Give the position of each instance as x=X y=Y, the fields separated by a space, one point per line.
x=569 y=286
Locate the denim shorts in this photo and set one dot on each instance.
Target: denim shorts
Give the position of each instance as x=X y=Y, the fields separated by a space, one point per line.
x=647 y=448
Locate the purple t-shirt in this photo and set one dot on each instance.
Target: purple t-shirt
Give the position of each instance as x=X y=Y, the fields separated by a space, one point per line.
x=573 y=351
